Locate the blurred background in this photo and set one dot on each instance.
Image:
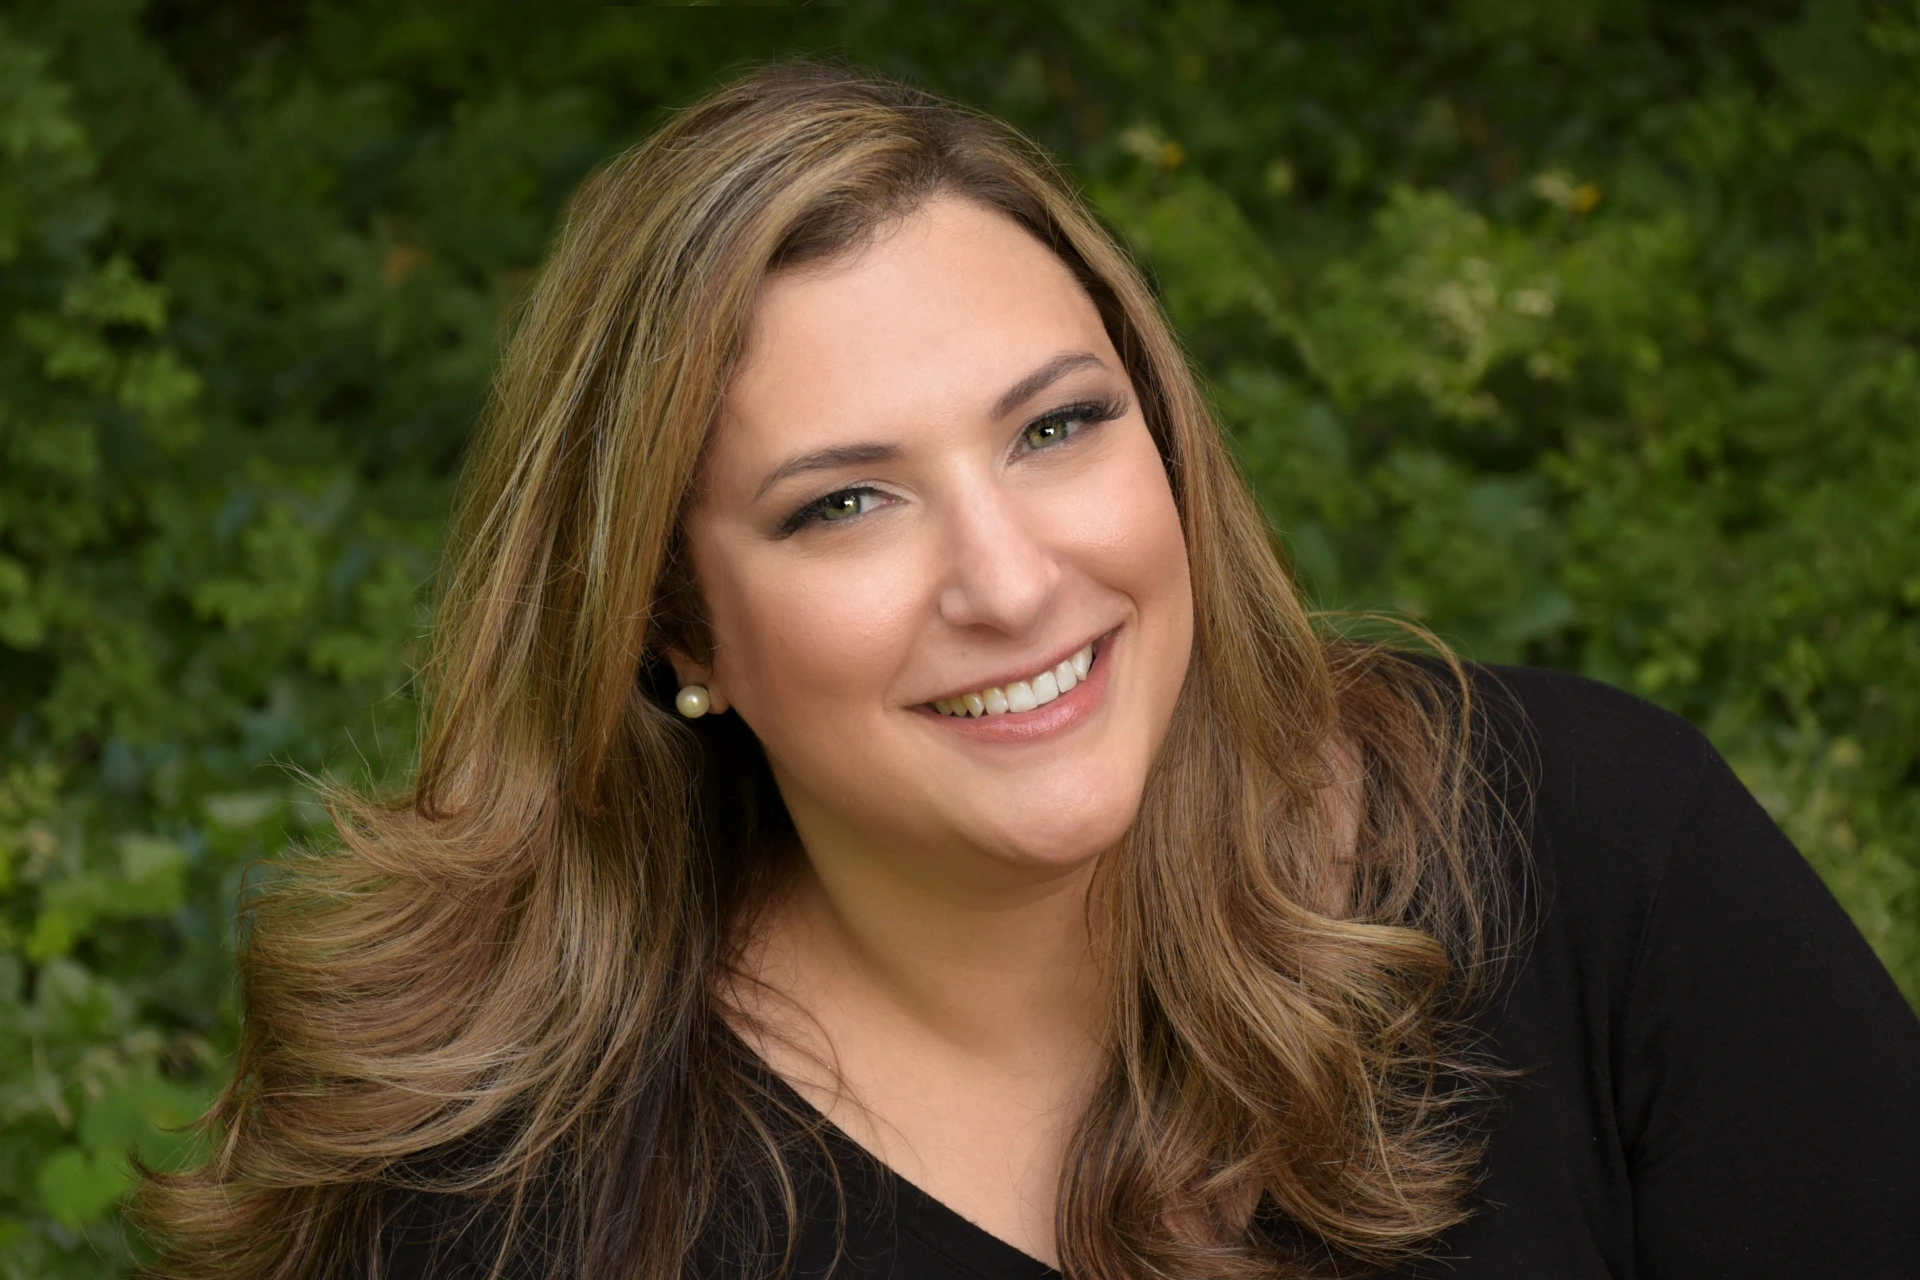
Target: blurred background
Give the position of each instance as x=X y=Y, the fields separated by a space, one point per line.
x=1583 y=333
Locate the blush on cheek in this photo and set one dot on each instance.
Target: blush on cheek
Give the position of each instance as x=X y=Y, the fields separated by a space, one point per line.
x=1125 y=506
x=817 y=640
x=1130 y=526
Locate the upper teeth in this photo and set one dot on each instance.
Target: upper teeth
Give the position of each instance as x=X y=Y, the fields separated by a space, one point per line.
x=1021 y=695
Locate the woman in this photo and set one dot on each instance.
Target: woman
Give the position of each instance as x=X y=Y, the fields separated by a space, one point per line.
x=886 y=808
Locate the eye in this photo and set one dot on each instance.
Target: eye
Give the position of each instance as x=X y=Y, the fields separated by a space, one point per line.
x=1063 y=424
x=846 y=503
x=841 y=504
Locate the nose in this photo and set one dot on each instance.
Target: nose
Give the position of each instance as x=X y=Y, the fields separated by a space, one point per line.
x=999 y=574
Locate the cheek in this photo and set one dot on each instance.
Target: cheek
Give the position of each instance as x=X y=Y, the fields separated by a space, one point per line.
x=796 y=635
x=1127 y=532
x=1137 y=547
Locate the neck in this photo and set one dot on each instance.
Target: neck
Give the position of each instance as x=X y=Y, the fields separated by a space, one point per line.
x=989 y=962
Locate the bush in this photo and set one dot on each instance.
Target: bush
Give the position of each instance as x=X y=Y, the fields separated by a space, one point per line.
x=1581 y=333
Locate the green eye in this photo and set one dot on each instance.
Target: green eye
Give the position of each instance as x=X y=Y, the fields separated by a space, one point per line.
x=1051 y=431
x=839 y=506
x=842 y=504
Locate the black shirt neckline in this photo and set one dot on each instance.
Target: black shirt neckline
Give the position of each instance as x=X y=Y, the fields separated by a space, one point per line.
x=935 y=1224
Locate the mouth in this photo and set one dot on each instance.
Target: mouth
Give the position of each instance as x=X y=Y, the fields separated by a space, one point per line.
x=1018 y=697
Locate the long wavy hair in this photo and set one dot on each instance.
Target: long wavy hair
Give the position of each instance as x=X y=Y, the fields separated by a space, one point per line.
x=508 y=986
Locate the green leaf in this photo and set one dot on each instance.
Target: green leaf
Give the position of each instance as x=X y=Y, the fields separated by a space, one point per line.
x=76 y=1185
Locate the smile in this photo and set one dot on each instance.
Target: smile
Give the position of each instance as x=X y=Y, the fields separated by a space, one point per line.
x=1021 y=695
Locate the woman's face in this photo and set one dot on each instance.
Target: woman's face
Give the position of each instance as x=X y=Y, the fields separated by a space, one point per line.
x=931 y=488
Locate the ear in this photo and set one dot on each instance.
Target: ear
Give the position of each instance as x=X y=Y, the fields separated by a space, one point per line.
x=687 y=672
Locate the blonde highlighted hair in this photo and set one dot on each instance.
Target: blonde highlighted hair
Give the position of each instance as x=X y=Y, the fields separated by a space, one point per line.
x=506 y=986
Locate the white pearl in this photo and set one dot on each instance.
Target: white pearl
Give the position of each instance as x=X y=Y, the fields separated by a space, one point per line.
x=692 y=700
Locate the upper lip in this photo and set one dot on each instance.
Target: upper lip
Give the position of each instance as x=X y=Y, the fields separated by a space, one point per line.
x=1027 y=672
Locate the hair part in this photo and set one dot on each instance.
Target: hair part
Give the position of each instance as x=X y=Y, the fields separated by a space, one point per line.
x=506 y=987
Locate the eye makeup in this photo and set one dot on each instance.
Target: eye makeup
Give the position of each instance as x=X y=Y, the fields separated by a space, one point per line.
x=1087 y=413
x=1051 y=430
x=829 y=509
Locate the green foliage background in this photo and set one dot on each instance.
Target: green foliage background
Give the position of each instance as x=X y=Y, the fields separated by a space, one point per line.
x=1584 y=333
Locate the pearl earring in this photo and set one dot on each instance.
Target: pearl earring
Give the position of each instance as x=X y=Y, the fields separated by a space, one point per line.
x=692 y=701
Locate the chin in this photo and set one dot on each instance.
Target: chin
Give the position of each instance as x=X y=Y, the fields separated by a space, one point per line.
x=1061 y=836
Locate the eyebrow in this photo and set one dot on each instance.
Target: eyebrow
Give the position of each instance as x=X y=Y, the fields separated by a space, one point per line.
x=839 y=455
x=1040 y=379
x=852 y=455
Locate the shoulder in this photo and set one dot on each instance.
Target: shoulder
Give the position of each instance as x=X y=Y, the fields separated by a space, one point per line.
x=1571 y=724
x=1590 y=788
x=1595 y=772
x=1602 y=788
x=1660 y=892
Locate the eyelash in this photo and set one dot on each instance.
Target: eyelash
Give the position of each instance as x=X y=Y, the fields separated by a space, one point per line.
x=1087 y=413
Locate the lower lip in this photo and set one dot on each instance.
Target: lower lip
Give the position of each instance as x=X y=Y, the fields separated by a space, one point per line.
x=1063 y=713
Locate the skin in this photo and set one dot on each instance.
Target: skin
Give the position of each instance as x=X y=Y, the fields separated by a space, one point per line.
x=936 y=994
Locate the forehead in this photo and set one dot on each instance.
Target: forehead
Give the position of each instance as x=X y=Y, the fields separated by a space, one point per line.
x=932 y=320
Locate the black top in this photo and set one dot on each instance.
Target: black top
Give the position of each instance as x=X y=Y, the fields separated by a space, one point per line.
x=1721 y=1079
